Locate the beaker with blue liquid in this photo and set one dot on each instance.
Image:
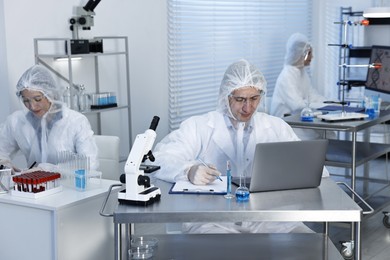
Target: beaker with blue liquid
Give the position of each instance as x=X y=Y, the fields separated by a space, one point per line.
x=242 y=192
x=372 y=106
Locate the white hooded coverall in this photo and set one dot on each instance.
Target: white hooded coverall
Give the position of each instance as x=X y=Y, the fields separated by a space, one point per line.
x=212 y=138
x=40 y=139
x=293 y=89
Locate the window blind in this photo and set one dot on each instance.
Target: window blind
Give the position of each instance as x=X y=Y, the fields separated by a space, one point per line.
x=205 y=36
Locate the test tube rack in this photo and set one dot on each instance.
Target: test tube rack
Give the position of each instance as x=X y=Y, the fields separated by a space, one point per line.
x=36 y=184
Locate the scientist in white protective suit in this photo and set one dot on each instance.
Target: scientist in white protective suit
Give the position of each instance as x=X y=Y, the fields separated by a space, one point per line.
x=45 y=126
x=293 y=90
x=229 y=133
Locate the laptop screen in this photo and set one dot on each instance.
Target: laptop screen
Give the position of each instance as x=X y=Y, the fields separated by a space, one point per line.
x=287 y=165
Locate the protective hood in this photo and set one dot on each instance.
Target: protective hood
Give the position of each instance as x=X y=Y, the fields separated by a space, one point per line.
x=296 y=49
x=38 y=78
x=240 y=74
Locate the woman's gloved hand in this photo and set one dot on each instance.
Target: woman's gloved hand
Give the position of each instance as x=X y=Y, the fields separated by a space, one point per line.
x=202 y=175
x=47 y=167
x=8 y=164
x=34 y=169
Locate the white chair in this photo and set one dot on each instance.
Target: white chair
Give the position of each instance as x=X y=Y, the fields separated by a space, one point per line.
x=108 y=156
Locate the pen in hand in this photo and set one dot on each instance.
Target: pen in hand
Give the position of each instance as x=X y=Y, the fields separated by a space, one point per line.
x=32 y=165
x=205 y=164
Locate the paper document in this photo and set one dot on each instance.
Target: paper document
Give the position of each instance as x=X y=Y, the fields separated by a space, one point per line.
x=185 y=186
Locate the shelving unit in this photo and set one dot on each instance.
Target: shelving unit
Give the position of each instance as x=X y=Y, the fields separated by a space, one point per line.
x=354 y=53
x=350 y=48
x=104 y=71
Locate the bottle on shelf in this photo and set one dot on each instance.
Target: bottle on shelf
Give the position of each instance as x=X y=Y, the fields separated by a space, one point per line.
x=82 y=98
x=66 y=96
x=75 y=97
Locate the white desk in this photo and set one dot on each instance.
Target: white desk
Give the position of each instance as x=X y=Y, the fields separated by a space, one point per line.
x=62 y=226
x=328 y=203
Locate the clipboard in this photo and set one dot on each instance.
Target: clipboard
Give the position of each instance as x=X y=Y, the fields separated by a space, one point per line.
x=217 y=187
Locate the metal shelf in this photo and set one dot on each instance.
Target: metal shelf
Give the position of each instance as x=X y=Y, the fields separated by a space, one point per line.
x=54 y=56
x=47 y=50
x=339 y=153
x=245 y=246
x=95 y=111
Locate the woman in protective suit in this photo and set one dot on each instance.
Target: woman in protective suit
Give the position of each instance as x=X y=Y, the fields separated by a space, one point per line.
x=46 y=126
x=293 y=90
x=229 y=133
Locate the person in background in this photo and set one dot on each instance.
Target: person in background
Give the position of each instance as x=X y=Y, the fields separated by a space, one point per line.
x=293 y=90
x=231 y=132
x=45 y=126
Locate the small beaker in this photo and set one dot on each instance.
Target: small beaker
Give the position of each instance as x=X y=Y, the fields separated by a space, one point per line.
x=372 y=106
x=5 y=180
x=140 y=253
x=307 y=114
x=80 y=180
x=142 y=247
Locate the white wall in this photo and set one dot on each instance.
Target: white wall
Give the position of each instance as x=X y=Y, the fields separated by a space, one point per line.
x=143 y=21
x=4 y=101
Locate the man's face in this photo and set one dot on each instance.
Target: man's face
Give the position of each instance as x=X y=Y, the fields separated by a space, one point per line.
x=243 y=103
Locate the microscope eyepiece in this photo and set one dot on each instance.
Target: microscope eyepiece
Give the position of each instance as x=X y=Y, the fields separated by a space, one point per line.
x=90 y=6
x=154 y=123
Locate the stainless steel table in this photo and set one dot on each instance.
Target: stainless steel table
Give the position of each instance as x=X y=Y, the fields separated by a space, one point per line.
x=327 y=203
x=349 y=154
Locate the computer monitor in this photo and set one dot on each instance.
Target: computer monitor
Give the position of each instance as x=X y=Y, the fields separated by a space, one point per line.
x=379 y=79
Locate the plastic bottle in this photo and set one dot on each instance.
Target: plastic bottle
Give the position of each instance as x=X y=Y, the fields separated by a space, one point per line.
x=82 y=98
x=66 y=97
x=75 y=98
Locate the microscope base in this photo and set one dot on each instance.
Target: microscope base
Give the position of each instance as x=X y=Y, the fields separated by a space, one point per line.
x=150 y=199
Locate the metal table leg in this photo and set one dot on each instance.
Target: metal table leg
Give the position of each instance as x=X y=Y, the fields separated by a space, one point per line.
x=118 y=241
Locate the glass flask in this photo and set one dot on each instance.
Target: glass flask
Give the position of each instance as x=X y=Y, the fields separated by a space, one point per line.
x=242 y=192
x=307 y=114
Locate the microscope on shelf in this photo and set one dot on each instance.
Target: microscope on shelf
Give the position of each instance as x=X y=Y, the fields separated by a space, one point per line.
x=84 y=19
x=139 y=190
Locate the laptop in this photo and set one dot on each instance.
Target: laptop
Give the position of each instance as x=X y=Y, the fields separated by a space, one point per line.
x=287 y=165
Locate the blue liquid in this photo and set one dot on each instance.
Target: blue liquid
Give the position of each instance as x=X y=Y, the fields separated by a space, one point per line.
x=242 y=195
x=371 y=113
x=229 y=184
x=307 y=119
x=80 y=179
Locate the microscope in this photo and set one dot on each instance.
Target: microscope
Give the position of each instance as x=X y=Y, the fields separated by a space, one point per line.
x=84 y=19
x=139 y=190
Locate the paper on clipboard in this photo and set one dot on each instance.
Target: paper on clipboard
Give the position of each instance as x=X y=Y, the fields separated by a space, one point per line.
x=185 y=186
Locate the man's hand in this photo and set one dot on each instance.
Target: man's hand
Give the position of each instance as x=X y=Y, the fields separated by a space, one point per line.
x=202 y=175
